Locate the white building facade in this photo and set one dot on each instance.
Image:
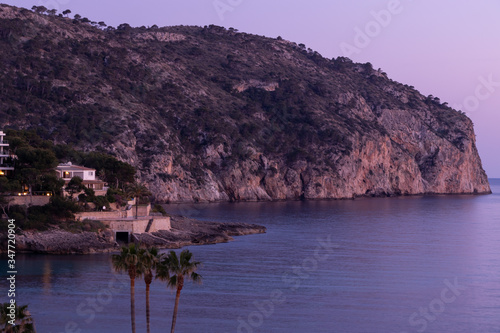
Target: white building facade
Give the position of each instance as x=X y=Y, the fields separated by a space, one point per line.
x=68 y=170
x=4 y=154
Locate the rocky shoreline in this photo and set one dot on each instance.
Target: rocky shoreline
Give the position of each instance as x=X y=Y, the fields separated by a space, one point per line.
x=185 y=231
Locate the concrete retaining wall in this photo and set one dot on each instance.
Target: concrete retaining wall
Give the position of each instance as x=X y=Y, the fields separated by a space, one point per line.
x=142 y=211
x=160 y=223
x=117 y=214
x=132 y=226
x=138 y=226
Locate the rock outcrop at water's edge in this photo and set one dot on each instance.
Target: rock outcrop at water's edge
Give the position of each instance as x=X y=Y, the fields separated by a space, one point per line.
x=59 y=241
x=185 y=231
x=210 y=114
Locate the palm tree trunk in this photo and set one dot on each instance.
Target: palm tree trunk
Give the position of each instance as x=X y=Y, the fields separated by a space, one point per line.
x=174 y=317
x=147 y=308
x=31 y=194
x=132 y=303
x=136 y=206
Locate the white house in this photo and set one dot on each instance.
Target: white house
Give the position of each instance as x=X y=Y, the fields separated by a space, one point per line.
x=67 y=171
x=4 y=153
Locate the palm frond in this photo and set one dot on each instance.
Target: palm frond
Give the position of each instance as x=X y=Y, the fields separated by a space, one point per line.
x=127 y=260
x=162 y=269
x=196 y=278
x=172 y=282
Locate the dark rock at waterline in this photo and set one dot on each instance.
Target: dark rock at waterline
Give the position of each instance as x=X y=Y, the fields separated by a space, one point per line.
x=186 y=231
x=57 y=241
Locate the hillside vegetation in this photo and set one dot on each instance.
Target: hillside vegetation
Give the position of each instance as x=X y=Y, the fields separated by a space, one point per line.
x=208 y=114
x=34 y=173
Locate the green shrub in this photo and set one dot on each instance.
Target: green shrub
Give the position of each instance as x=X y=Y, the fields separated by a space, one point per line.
x=101 y=201
x=116 y=195
x=157 y=208
x=62 y=207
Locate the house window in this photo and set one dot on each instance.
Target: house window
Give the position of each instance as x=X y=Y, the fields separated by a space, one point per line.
x=91 y=173
x=66 y=174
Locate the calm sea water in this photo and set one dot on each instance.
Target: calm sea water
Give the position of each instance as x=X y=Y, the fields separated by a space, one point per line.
x=416 y=264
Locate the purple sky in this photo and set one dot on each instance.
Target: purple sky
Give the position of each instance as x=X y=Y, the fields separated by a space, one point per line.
x=447 y=48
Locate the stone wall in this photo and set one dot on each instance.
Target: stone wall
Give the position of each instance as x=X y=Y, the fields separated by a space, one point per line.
x=160 y=223
x=117 y=214
x=132 y=226
x=139 y=225
x=142 y=211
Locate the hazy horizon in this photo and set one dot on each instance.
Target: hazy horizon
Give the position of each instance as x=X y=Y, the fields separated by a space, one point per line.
x=447 y=49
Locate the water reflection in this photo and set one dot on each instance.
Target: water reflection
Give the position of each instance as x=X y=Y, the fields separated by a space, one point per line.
x=47 y=277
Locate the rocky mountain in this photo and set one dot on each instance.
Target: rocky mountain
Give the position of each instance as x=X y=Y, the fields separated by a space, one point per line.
x=210 y=114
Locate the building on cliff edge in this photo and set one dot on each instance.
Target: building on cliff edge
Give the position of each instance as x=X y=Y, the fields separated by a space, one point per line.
x=67 y=171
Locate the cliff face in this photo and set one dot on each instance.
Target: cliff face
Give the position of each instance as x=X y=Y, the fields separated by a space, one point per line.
x=410 y=159
x=208 y=114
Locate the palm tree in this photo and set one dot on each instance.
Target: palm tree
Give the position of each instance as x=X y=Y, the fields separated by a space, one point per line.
x=137 y=191
x=175 y=270
x=24 y=321
x=127 y=261
x=148 y=260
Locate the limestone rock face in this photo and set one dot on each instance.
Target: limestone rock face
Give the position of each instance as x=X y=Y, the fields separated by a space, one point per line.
x=209 y=114
x=409 y=158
